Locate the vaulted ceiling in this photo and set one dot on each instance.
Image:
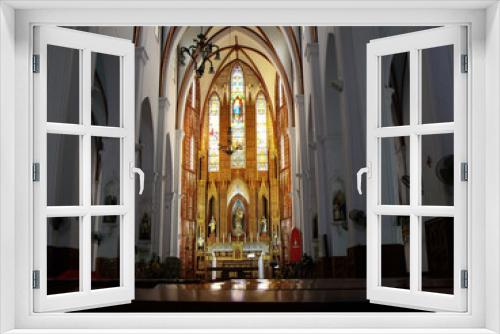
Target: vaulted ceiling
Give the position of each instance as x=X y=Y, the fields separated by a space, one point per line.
x=253 y=45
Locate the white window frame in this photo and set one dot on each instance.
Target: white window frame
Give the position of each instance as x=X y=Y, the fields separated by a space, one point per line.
x=413 y=43
x=86 y=44
x=16 y=21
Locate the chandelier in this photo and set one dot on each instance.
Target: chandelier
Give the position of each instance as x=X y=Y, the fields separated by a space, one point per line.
x=231 y=147
x=201 y=48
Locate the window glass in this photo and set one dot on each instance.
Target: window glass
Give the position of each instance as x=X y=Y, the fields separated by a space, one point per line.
x=213 y=134
x=63 y=84
x=261 y=112
x=105 y=252
x=63 y=170
x=63 y=255
x=395 y=170
x=437 y=84
x=238 y=159
x=106 y=171
x=395 y=95
x=395 y=251
x=106 y=97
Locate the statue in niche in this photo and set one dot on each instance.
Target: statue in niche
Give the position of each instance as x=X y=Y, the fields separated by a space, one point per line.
x=263 y=225
x=238 y=219
x=212 y=226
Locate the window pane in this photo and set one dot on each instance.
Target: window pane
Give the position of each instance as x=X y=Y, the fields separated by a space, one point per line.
x=261 y=125
x=105 y=252
x=437 y=169
x=437 y=254
x=63 y=170
x=395 y=170
x=63 y=255
x=105 y=89
x=395 y=251
x=237 y=136
x=63 y=84
x=213 y=134
x=105 y=171
x=437 y=84
x=395 y=89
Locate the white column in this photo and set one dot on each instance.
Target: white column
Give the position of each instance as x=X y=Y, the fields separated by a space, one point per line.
x=303 y=175
x=176 y=198
x=159 y=239
x=319 y=140
x=296 y=216
x=141 y=57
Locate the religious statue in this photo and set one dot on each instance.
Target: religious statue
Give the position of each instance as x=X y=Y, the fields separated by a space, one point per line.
x=238 y=222
x=212 y=226
x=263 y=225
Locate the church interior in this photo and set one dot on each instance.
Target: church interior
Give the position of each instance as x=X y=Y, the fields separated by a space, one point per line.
x=250 y=152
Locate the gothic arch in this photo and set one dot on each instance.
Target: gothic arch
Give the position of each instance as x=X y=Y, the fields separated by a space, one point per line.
x=244 y=64
x=271 y=53
x=238 y=187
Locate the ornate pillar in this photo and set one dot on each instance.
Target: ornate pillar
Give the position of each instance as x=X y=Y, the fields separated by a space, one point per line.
x=274 y=192
x=201 y=207
x=223 y=211
x=252 y=215
x=319 y=136
x=176 y=200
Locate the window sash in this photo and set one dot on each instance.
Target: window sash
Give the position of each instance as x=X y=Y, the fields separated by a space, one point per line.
x=414 y=296
x=447 y=322
x=86 y=43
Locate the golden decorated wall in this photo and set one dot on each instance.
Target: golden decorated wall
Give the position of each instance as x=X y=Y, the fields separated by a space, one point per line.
x=208 y=198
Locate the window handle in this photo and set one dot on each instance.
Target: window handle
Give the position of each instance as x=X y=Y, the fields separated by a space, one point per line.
x=134 y=170
x=365 y=170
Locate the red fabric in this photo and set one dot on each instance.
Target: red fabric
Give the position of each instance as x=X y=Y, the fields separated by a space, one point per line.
x=295 y=245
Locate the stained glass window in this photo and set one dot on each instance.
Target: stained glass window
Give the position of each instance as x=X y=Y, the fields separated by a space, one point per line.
x=261 y=121
x=213 y=134
x=238 y=117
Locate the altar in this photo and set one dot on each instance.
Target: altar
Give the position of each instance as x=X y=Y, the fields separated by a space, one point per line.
x=237 y=259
